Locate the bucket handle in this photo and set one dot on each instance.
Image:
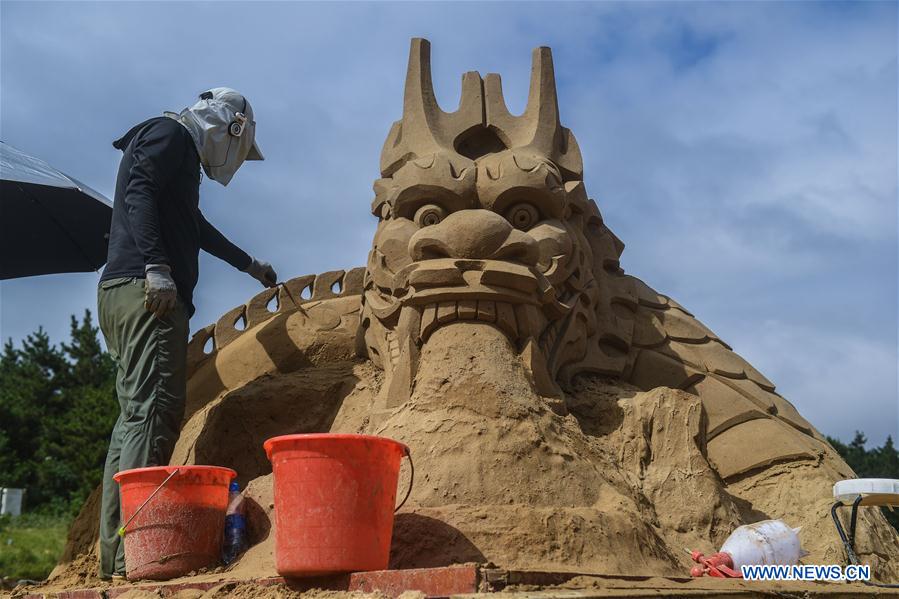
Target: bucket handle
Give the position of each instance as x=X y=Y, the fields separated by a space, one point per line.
x=411 y=480
x=147 y=500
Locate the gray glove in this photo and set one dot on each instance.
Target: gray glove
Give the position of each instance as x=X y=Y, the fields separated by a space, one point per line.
x=161 y=293
x=262 y=272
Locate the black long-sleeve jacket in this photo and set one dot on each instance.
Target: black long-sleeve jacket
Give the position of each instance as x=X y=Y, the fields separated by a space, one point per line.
x=156 y=216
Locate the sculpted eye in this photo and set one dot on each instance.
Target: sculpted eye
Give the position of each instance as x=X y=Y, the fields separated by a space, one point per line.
x=428 y=215
x=523 y=216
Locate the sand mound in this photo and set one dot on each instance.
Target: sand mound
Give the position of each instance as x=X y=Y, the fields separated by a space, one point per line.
x=232 y=429
x=614 y=481
x=509 y=480
x=78 y=566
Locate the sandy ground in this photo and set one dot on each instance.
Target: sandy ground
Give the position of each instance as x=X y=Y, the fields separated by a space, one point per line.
x=615 y=481
x=581 y=587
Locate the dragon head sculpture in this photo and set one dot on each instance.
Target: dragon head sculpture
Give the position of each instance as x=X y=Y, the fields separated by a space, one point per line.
x=483 y=216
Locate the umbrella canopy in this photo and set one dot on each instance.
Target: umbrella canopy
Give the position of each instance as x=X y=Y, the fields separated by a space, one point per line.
x=49 y=222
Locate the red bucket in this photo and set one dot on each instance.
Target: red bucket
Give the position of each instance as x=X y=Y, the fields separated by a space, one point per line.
x=334 y=502
x=180 y=529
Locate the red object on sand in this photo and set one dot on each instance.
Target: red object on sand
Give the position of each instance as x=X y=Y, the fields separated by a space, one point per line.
x=180 y=528
x=334 y=502
x=718 y=565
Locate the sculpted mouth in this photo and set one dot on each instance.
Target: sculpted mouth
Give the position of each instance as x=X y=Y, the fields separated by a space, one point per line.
x=511 y=296
x=501 y=314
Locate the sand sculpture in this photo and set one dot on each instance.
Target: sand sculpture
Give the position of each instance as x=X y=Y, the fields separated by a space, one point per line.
x=563 y=415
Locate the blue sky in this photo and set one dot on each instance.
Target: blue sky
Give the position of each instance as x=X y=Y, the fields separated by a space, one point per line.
x=746 y=153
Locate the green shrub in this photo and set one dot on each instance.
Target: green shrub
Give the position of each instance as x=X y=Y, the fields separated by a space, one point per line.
x=31 y=544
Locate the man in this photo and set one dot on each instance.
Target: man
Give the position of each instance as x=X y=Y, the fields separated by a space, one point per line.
x=146 y=290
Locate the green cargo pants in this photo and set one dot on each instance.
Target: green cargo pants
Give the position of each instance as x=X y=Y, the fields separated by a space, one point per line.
x=151 y=384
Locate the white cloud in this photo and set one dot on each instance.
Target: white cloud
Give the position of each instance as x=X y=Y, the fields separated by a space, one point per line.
x=839 y=382
x=745 y=153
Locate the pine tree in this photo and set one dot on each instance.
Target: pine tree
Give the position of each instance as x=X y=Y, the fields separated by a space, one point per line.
x=888 y=459
x=57 y=409
x=76 y=437
x=29 y=389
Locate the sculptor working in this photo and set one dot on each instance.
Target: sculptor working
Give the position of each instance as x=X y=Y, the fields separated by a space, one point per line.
x=145 y=296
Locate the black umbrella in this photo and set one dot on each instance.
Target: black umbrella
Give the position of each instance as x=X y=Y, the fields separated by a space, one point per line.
x=49 y=222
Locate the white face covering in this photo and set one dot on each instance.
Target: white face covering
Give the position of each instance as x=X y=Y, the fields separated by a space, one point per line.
x=222 y=127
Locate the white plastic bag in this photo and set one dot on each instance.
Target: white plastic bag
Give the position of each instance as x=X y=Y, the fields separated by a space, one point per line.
x=765 y=543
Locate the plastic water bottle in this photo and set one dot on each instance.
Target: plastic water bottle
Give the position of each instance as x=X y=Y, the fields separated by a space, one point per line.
x=235 y=541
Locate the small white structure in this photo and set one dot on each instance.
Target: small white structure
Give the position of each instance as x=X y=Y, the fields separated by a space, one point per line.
x=11 y=501
x=857 y=492
x=874 y=491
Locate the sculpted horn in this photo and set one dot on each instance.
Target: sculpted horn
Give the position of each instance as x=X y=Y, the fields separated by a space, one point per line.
x=542 y=111
x=425 y=128
x=419 y=102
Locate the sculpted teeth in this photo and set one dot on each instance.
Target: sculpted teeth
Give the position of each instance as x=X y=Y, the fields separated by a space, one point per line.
x=500 y=313
x=394 y=347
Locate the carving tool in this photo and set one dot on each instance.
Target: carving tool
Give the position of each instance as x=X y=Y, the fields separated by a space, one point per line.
x=147 y=500
x=290 y=296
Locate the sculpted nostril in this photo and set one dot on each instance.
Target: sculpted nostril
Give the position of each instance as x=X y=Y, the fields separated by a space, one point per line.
x=433 y=251
x=517 y=253
x=427 y=247
x=518 y=247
